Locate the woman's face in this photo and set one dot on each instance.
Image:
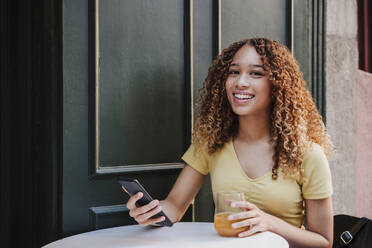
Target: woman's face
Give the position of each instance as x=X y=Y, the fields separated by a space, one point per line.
x=248 y=87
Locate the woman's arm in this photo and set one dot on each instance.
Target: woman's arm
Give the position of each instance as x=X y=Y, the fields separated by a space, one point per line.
x=319 y=224
x=183 y=192
x=174 y=206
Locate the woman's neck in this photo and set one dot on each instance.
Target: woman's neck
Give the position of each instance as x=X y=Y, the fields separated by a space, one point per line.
x=254 y=128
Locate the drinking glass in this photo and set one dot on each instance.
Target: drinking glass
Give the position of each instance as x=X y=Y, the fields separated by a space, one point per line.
x=223 y=210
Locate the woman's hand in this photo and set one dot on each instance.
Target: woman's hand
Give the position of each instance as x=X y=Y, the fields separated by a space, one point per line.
x=175 y=205
x=319 y=219
x=252 y=217
x=143 y=214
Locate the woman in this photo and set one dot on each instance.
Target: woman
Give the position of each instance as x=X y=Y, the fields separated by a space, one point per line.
x=257 y=131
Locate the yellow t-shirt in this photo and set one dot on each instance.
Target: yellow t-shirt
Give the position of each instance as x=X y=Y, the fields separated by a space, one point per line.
x=282 y=197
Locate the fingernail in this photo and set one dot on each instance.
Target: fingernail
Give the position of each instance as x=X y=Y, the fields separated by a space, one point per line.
x=230 y=217
x=234 y=225
x=240 y=235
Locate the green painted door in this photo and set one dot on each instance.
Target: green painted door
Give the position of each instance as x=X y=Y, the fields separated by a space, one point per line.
x=131 y=73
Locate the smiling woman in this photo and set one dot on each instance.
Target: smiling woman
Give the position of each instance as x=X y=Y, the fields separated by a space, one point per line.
x=258 y=132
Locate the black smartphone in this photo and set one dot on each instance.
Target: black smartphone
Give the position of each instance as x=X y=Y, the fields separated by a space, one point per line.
x=132 y=187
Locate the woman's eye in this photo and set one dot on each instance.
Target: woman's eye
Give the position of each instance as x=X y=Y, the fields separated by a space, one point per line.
x=256 y=73
x=232 y=72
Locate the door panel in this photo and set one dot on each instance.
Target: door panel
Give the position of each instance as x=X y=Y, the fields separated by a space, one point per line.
x=140 y=86
x=242 y=19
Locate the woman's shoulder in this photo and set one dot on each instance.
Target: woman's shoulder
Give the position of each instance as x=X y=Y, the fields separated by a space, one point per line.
x=200 y=159
x=313 y=149
x=314 y=156
x=317 y=174
x=200 y=150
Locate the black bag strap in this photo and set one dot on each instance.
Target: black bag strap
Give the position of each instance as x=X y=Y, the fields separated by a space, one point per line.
x=348 y=235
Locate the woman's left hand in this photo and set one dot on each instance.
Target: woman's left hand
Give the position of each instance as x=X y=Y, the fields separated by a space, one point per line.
x=252 y=217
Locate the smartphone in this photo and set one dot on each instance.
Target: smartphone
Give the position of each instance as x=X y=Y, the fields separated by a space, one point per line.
x=132 y=187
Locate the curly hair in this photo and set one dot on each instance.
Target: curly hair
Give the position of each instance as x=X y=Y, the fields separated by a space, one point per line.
x=295 y=120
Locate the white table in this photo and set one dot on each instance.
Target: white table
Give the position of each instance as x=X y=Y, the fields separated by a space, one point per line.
x=181 y=235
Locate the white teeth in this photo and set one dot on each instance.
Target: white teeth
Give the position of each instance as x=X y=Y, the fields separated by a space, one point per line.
x=241 y=96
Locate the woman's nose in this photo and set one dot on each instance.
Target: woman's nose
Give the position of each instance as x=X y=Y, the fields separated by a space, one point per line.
x=243 y=81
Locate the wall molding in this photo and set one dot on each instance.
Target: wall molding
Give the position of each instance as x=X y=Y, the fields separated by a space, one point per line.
x=109 y=216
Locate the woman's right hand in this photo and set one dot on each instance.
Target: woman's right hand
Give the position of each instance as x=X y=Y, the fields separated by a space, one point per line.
x=144 y=213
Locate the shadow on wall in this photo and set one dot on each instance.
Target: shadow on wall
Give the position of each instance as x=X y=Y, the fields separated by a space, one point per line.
x=363 y=144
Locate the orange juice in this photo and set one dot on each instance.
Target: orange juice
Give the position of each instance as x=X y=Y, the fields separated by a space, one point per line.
x=223 y=225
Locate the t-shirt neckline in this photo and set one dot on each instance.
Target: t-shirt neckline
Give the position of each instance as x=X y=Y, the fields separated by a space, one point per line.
x=237 y=163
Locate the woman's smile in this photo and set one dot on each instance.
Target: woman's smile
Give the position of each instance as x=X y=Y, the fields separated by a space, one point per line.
x=243 y=97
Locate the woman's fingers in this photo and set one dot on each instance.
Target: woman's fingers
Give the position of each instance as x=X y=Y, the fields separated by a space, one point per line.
x=252 y=217
x=248 y=222
x=152 y=221
x=149 y=214
x=242 y=204
x=256 y=226
x=144 y=209
x=144 y=213
x=253 y=230
x=133 y=199
x=243 y=215
x=253 y=224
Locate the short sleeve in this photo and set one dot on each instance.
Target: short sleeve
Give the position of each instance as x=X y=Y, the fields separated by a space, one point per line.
x=196 y=159
x=318 y=181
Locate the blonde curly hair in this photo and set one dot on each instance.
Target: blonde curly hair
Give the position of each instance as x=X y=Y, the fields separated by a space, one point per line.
x=295 y=120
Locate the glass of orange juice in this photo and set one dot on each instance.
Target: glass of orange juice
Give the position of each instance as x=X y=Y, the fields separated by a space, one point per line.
x=223 y=210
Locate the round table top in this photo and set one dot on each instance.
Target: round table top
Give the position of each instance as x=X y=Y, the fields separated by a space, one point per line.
x=181 y=235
